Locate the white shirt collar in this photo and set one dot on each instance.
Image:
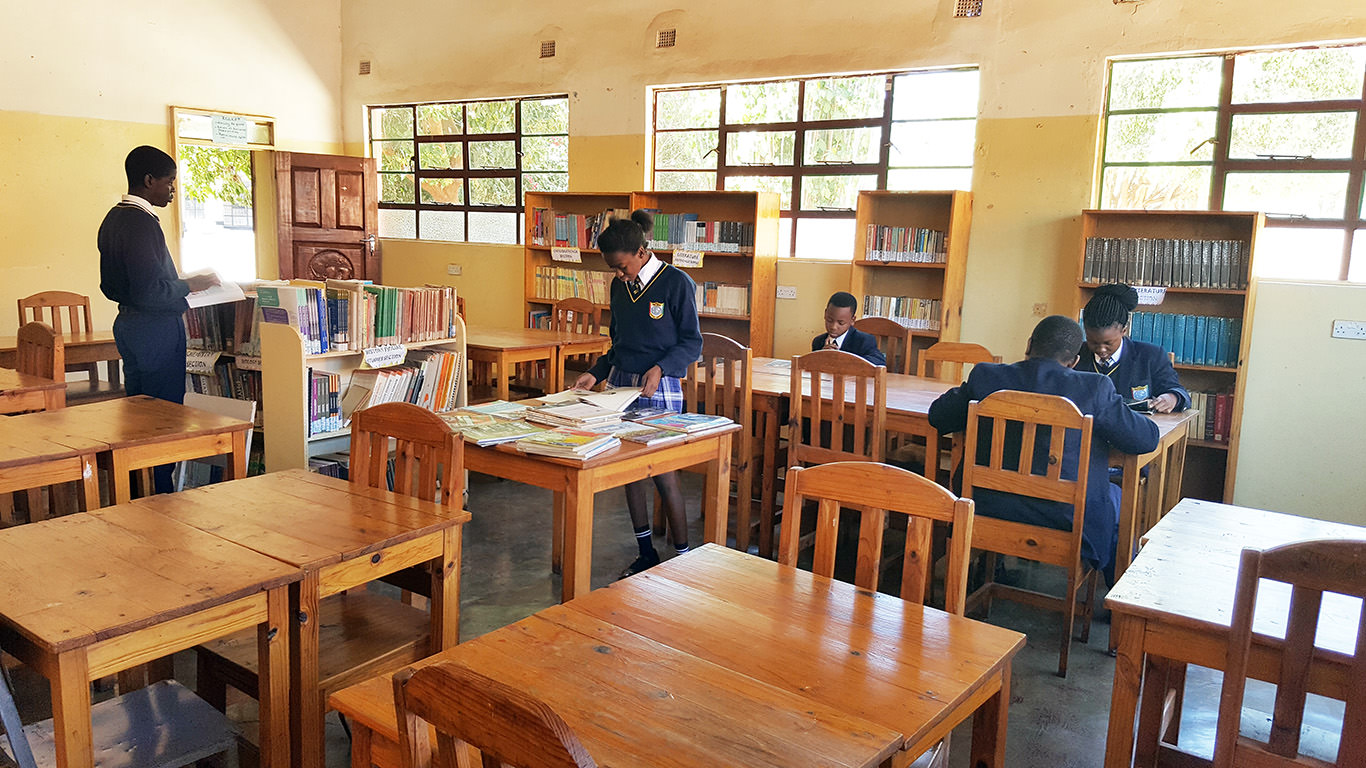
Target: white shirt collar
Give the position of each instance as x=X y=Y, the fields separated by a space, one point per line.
x=1114 y=356
x=651 y=268
x=839 y=340
x=141 y=203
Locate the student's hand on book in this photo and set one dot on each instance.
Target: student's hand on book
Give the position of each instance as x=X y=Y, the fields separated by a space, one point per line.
x=650 y=382
x=201 y=282
x=585 y=381
x=1164 y=403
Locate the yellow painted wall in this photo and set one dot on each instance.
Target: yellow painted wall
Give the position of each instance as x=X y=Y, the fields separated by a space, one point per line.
x=490 y=276
x=797 y=320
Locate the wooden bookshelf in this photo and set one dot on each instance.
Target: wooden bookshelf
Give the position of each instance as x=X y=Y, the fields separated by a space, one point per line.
x=948 y=212
x=1210 y=466
x=539 y=256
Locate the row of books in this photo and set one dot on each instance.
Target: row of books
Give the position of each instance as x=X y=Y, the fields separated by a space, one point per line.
x=232 y=327
x=917 y=314
x=722 y=298
x=324 y=402
x=341 y=315
x=687 y=231
x=578 y=230
x=1219 y=264
x=554 y=283
x=913 y=244
x=429 y=379
x=1194 y=339
x=1215 y=417
x=227 y=380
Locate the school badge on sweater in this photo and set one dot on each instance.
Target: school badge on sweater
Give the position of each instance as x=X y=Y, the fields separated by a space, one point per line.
x=656 y=310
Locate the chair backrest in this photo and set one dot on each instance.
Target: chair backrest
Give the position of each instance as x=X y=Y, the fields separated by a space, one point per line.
x=945 y=360
x=893 y=338
x=509 y=727
x=40 y=351
x=876 y=489
x=77 y=310
x=427 y=452
x=721 y=384
x=1028 y=433
x=857 y=400
x=1311 y=568
x=575 y=316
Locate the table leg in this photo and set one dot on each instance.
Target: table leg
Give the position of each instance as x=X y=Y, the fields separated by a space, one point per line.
x=1150 y=711
x=1128 y=516
x=362 y=740
x=112 y=369
x=577 y=572
x=90 y=484
x=768 y=490
x=272 y=686
x=236 y=465
x=1176 y=468
x=1157 y=492
x=554 y=374
x=118 y=477
x=989 y=727
x=446 y=592
x=716 y=497
x=557 y=532
x=1127 y=633
x=71 y=710
x=503 y=373
x=305 y=698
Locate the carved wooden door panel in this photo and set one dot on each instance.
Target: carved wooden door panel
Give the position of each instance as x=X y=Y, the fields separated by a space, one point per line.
x=328 y=216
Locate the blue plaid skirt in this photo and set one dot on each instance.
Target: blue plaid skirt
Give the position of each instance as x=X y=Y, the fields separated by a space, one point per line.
x=669 y=394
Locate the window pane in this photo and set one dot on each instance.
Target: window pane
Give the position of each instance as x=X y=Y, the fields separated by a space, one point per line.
x=785 y=236
x=761 y=103
x=946 y=142
x=488 y=155
x=831 y=239
x=679 y=181
x=194 y=127
x=1165 y=83
x=442 y=225
x=492 y=227
x=217 y=223
x=395 y=123
x=928 y=95
x=443 y=191
x=396 y=187
x=545 y=182
x=760 y=148
x=1159 y=138
x=441 y=156
x=929 y=178
x=825 y=193
x=545 y=153
x=491 y=117
x=1156 y=187
x=780 y=184
x=440 y=120
x=1322 y=135
x=1299 y=75
x=1357 y=271
x=1316 y=195
x=495 y=191
x=844 y=145
x=397 y=223
x=685 y=149
x=1299 y=253
x=688 y=109
x=845 y=98
x=545 y=116
x=393 y=155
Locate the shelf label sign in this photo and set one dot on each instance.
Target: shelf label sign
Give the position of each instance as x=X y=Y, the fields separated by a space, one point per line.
x=688 y=259
x=249 y=362
x=230 y=129
x=571 y=255
x=383 y=356
x=200 y=360
x=1150 y=295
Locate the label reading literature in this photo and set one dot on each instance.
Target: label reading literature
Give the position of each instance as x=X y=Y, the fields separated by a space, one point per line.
x=249 y=362
x=230 y=129
x=200 y=360
x=570 y=255
x=1151 y=295
x=383 y=356
x=688 y=259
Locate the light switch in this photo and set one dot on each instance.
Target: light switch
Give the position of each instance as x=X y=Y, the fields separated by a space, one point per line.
x=452 y=269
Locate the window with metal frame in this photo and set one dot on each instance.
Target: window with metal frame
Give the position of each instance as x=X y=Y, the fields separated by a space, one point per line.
x=457 y=170
x=1281 y=131
x=816 y=142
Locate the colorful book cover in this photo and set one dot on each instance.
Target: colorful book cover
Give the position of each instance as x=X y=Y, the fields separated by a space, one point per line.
x=688 y=422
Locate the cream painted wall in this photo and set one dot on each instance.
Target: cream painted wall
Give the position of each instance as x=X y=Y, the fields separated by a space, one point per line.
x=1303 y=420
x=489 y=274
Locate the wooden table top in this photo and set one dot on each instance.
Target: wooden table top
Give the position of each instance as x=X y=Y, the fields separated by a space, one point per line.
x=1187 y=572
x=624 y=452
x=69 y=339
x=20 y=447
x=12 y=380
x=525 y=338
x=128 y=421
x=303 y=518
x=75 y=580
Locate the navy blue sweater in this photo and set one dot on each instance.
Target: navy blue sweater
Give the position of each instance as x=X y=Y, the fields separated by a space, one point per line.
x=658 y=327
x=1144 y=371
x=136 y=270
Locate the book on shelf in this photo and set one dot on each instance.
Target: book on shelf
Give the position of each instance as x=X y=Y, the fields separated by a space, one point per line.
x=575 y=230
x=345 y=315
x=324 y=402
x=722 y=298
x=687 y=231
x=1173 y=263
x=1193 y=339
x=1214 y=418
x=567 y=443
x=690 y=423
x=644 y=434
x=917 y=314
x=232 y=328
x=227 y=380
x=501 y=431
x=905 y=244
x=554 y=283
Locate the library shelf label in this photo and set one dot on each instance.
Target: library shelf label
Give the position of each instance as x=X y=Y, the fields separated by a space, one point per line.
x=383 y=356
x=249 y=362
x=1151 y=295
x=688 y=259
x=571 y=255
x=200 y=360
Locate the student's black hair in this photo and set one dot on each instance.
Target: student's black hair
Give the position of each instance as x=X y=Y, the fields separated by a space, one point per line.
x=1056 y=337
x=147 y=161
x=1109 y=306
x=626 y=235
x=844 y=299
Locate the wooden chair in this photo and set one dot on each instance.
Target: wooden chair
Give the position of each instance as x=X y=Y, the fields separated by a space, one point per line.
x=945 y=360
x=1023 y=460
x=576 y=316
x=1311 y=568
x=48 y=307
x=40 y=351
x=893 y=338
x=468 y=710
x=849 y=424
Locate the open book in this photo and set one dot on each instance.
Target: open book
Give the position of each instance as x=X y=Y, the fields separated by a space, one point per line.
x=618 y=399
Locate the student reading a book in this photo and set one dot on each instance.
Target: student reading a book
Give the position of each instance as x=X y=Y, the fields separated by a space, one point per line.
x=841 y=334
x=137 y=273
x=1141 y=372
x=655 y=337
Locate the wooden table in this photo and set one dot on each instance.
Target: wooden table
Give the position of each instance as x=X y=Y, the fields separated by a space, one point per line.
x=29 y=461
x=718 y=658
x=140 y=432
x=506 y=347
x=21 y=392
x=340 y=537
x=1165 y=466
x=85 y=596
x=1174 y=605
x=574 y=482
x=80 y=346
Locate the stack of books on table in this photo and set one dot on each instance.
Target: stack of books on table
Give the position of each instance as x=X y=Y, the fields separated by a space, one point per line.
x=573 y=415
x=644 y=434
x=500 y=409
x=565 y=443
x=499 y=432
x=686 y=423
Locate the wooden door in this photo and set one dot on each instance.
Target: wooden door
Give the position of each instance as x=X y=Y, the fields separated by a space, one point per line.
x=328 y=219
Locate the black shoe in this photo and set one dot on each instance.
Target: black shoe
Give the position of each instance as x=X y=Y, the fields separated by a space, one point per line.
x=642 y=563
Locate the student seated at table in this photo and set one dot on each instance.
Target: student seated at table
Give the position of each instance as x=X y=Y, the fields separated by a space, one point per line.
x=1048 y=369
x=841 y=334
x=1140 y=371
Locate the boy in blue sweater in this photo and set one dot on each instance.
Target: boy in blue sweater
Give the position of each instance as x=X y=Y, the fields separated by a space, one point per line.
x=655 y=337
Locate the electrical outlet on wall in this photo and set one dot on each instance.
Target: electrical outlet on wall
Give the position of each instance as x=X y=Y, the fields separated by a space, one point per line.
x=1349 y=329
x=452 y=269
x=787 y=291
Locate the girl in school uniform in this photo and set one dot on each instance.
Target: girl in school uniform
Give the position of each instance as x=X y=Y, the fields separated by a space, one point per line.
x=655 y=337
x=1139 y=370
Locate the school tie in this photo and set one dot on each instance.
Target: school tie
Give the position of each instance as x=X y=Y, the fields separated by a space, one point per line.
x=635 y=287
x=1108 y=362
x=830 y=343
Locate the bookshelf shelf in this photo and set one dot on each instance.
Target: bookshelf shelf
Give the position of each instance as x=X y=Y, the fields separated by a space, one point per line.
x=1179 y=289
x=1211 y=444
x=900 y=264
x=1207 y=368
